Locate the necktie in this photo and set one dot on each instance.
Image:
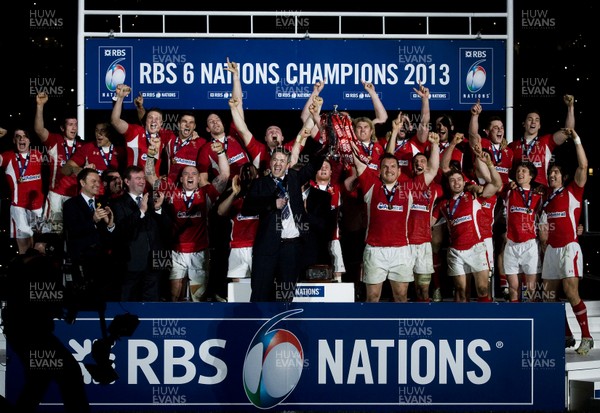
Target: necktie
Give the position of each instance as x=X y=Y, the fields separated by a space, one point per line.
x=138 y=199
x=285 y=212
x=91 y=204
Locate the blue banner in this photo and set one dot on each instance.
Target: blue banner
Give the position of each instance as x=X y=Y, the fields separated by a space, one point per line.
x=324 y=356
x=279 y=74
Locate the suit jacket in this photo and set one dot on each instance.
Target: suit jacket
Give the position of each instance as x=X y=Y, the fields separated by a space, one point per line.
x=261 y=201
x=85 y=239
x=322 y=221
x=136 y=237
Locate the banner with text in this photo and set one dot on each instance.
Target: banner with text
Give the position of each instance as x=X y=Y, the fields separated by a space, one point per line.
x=280 y=73
x=326 y=356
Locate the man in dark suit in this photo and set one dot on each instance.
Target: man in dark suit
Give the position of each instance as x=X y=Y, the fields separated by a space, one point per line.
x=283 y=223
x=35 y=298
x=88 y=232
x=322 y=221
x=142 y=238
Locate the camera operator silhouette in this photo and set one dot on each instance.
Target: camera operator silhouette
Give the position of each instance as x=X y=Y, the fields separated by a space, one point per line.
x=35 y=297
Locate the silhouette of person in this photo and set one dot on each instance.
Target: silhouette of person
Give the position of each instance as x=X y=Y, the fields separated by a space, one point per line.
x=35 y=298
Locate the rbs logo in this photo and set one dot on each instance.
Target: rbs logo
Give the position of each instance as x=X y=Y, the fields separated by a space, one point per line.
x=115 y=52
x=476 y=54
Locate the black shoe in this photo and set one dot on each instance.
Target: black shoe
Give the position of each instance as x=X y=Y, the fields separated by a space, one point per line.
x=569 y=341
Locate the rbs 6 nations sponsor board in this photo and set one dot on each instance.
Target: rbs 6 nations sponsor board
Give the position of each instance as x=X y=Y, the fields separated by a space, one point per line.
x=280 y=74
x=324 y=356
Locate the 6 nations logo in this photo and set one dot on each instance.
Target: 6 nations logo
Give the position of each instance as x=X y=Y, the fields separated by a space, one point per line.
x=273 y=363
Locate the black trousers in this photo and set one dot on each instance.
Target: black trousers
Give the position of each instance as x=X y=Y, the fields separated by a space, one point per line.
x=274 y=276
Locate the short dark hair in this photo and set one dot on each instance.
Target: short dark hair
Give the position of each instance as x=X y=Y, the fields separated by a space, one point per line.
x=415 y=157
x=283 y=150
x=493 y=119
x=453 y=171
x=105 y=175
x=446 y=120
x=566 y=177
x=83 y=174
x=530 y=166
x=386 y=155
x=132 y=169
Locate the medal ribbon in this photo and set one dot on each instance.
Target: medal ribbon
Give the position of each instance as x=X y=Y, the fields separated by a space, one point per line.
x=389 y=194
x=179 y=144
x=224 y=143
x=69 y=152
x=400 y=145
x=497 y=154
x=108 y=156
x=552 y=196
x=451 y=213
x=188 y=201
x=528 y=147
x=368 y=149
x=22 y=168
x=148 y=137
x=527 y=201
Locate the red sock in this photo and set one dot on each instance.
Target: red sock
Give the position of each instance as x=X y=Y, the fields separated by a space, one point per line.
x=580 y=311
x=503 y=280
x=485 y=299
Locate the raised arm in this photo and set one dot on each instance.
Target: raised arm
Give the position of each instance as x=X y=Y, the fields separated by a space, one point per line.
x=570 y=120
x=433 y=163
x=381 y=115
x=582 y=163
x=423 y=128
x=306 y=131
x=494 y=186
x=447 y=155
x=390 y=147
x=358 y=163
x=474 y=137
x=299 y=143
x=225 y=205
x=119 y=124
x=38 y=123
x=481 y=168
x=306 y=114
x=561 y=136
x=236 y=89
x=139 y=107
x=351 y=182
x=235 y=105
x=149 y=167
x=220 y=181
